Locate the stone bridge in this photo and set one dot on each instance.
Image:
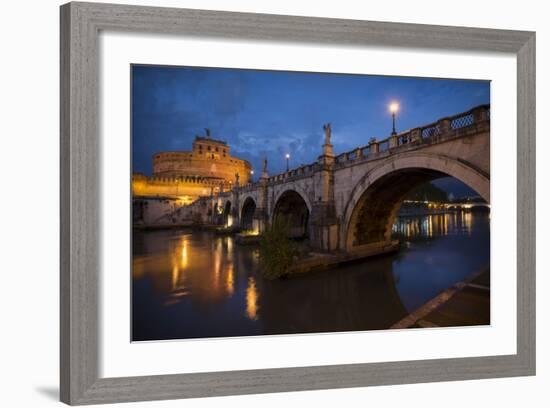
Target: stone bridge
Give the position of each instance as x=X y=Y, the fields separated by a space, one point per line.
x=349 y=201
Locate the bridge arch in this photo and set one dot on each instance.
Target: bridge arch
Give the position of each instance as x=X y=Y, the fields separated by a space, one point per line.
x=291 y=187
x=371 y=210
x=248 y=209
x=294 y=207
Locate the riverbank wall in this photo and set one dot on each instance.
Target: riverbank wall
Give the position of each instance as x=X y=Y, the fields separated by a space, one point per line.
x=322 y=261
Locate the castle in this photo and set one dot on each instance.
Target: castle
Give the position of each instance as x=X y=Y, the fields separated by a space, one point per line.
x=187 y=175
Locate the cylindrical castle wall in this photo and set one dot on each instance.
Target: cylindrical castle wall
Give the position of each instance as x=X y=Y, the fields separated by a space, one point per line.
x=208 y=167
x=203 y=164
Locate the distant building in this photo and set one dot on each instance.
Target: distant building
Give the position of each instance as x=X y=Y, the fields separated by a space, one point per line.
x=188 y=175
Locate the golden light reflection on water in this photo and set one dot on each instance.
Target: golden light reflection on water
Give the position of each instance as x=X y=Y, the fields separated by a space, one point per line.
x=230 y=249
x=217 y=265
x=230 y=280
x=184 y=256
x=252 y=299
x=180 y=262
x=175 y=276
x=434 y=224
x=201 y=271
x=467 y=222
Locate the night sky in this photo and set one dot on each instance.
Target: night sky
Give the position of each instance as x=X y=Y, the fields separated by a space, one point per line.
x=271 y=113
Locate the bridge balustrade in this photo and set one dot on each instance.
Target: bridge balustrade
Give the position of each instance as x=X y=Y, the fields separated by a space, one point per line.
x=462 y=121
x=383 y=145
x=431 y=133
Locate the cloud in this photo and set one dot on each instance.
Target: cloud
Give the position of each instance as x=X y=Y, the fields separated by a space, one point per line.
x=268 y=114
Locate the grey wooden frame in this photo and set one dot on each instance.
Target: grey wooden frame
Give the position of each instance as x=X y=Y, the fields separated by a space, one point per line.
x=80 y=235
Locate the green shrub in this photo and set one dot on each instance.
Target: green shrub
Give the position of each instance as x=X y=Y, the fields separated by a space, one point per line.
x=277 y=251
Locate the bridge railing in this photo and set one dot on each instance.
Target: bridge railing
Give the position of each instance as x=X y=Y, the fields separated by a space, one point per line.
x=248 y=186
x=430 y=133
x=462 y=121
x=292 y=173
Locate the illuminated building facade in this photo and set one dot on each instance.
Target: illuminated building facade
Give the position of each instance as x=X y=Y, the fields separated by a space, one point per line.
x=186 y=175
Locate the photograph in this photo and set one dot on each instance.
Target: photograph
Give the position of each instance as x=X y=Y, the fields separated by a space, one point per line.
x=281 y=202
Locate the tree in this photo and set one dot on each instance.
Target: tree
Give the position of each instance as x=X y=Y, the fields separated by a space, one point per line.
x=277 y=251
x=427 y=191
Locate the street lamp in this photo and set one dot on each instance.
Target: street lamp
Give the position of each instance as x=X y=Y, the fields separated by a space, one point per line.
x=394 y=107
x=287 y=158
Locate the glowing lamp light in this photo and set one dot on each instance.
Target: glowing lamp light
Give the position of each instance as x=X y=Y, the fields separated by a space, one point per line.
x=394 y=107
x=287 y=156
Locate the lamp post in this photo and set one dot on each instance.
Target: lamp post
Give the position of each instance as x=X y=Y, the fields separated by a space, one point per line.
x=287 y=159
x=394 y=107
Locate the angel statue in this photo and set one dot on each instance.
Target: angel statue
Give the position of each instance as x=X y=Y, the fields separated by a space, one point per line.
x=328 y=130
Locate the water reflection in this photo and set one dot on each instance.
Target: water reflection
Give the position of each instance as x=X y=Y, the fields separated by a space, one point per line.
x=252 y=299
x=230 y=283
x=442 y=249
x=189 y=284
x=432 y=225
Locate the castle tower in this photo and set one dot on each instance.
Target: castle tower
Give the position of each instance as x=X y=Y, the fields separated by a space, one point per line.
x=194 y=173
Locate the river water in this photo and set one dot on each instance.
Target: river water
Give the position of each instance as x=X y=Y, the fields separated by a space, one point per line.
x=193 y=284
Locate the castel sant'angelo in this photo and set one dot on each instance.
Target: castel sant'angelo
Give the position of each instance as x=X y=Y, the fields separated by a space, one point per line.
x=188 y=175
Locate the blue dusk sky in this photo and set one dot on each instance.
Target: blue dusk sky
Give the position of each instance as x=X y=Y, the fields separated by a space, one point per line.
x=270 y=113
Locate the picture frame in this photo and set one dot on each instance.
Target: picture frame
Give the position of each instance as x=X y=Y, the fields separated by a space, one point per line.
x=81 y=24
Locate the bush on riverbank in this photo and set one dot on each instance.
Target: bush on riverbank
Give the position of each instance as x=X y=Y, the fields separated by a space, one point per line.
x=277 y=251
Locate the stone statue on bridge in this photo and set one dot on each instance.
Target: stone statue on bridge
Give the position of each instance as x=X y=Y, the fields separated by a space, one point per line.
x=328 y=132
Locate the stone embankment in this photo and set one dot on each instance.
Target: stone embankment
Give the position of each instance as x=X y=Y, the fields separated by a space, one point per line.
x=465 y=304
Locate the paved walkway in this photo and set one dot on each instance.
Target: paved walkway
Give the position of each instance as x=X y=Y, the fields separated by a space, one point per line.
x=465 y=304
